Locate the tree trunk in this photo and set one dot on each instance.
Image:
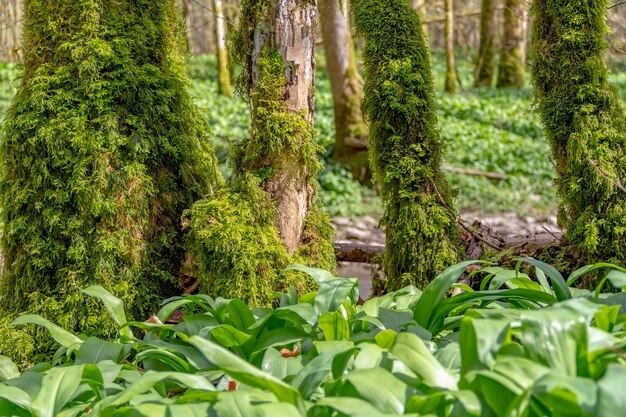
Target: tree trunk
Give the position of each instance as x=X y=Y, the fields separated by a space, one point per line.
x=420 y=6
x=512 y=71
x=584 y=121
x=94 y=184
x=451 y=78
x=186 y=5
x=223 y=74
x=290 y=30
x=405 y=144
x=486 y=60
x=345 y=81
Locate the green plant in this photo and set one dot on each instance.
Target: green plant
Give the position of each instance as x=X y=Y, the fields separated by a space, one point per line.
x=517 y=346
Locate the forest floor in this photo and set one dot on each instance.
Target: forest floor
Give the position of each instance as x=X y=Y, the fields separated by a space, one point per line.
x=366 y=230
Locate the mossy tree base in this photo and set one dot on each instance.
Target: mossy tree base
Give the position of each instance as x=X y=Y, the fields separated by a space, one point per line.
x=268 y=217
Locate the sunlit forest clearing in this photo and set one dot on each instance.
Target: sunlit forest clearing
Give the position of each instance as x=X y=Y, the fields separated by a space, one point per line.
x=320 y=208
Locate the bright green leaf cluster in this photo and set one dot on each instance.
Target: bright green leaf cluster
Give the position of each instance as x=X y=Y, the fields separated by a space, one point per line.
x=518 y=348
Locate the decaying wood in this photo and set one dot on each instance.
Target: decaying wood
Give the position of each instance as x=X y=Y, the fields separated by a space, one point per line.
x=357 y=252
x=362 y=253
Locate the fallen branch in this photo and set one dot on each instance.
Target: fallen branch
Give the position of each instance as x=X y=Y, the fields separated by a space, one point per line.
x=362 y=253
x=475 y=173
x=357 y=252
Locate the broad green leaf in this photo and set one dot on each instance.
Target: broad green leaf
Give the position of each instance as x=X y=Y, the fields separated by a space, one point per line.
x=114 y=306
x=62 y=336
x=239 y=315
x=617 y=278
x=318 y=275
x=332 y=294
x=243 y=404
x=480 y=341
x=349 y=406
x=383 y=390
x=58 y=387
x=281 y=367
x=279 y=337
x=15 y=398
x=168 y=309
x=574 y=276
x=435 y=291
x=147 y=382
x=94 y=350
x=165 y=410
x=334 y=326
x=611 y=398
x=556 y=338
x=227 y=336
x=244 y=372
x=8 y=370
x=412 y=351
x=561 y=290
x=566 y=396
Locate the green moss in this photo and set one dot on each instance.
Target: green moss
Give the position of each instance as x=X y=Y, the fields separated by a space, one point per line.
x=233 y=234
x=405 y=146
x=102 y=151
x=584 y=121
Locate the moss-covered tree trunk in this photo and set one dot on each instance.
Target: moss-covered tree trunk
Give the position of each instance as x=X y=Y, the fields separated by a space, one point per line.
x=512 y=70
x=225 y=87
x=451 y=78
x=288 y=32
x=585 y=123
x=103 y=150
x=345 y=81
x=405 y=146
x=268 y=217
x=486 y=59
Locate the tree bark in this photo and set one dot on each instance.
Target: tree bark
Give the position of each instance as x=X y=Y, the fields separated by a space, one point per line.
x=512 y=72
x=420 y=6
x=290 y=29
x=225 y=87
x=451 y=79
x=345 y=81
x=485 y=62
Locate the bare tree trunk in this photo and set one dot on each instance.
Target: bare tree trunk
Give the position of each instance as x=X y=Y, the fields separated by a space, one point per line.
x=351 y=130
x=486 y=60
x=451 y=78
x=186 y=5
x=225 y=87
x=512 y=72
x=420 y=6
x=289 y=30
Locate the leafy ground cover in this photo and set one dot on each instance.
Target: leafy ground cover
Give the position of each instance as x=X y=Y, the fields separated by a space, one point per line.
x=515 y=347
x=489 y=130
